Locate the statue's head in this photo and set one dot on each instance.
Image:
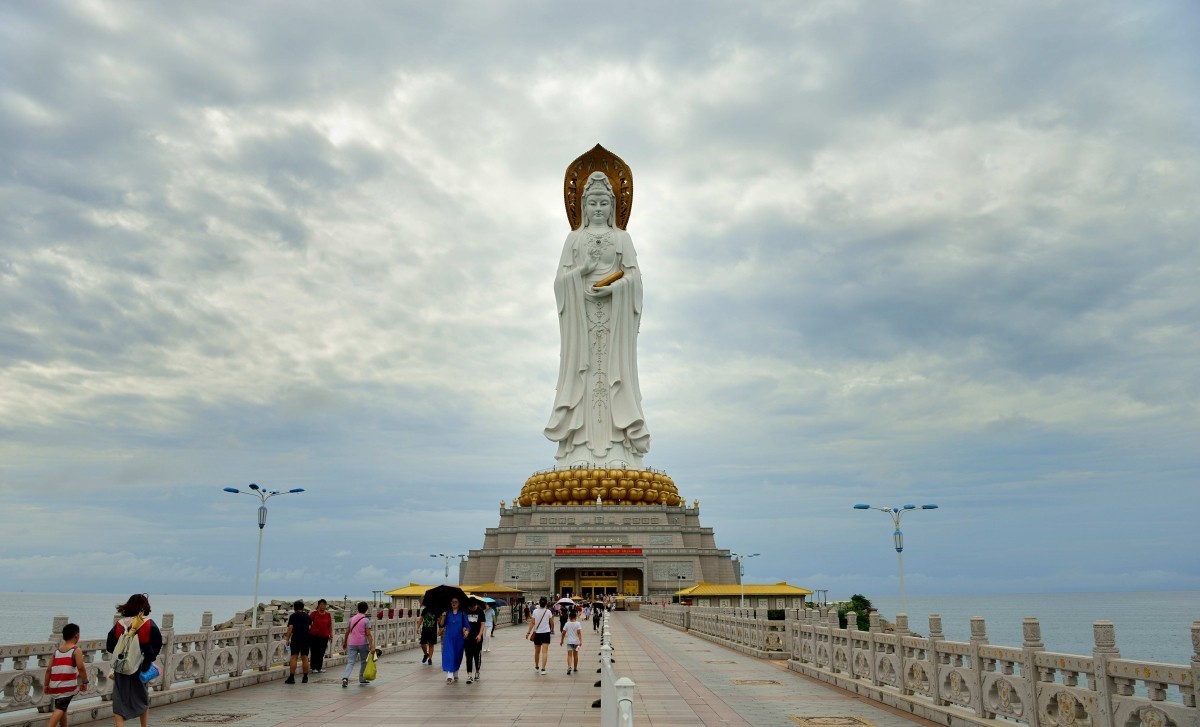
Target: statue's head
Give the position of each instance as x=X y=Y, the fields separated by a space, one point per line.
x=599 y=202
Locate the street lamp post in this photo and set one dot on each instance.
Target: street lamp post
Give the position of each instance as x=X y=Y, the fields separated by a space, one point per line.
x=895 y=513
x=460 y=556
x=741 y=561
x=263 y=496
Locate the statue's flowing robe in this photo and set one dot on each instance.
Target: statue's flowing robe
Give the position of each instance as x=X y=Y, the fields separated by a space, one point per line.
x=598 y=401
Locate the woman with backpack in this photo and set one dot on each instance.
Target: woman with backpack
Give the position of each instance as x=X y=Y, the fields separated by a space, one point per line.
x=131 y=695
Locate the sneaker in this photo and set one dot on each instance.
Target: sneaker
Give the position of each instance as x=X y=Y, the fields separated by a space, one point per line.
x=568 y=672
x=478 y=676
x=470 y=679
x=449 y=680
x=345 y=683
x=543 y=671
x=456 y=676
x=535 y=670
x=304 y=680
x=290 y=680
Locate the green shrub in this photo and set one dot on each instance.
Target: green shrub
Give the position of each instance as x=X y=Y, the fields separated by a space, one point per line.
x=860 y=605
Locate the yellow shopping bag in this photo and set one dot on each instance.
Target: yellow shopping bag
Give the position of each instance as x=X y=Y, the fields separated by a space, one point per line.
x=369 y=672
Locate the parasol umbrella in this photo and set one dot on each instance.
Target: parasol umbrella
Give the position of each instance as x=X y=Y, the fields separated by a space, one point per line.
x=437 y=599
x=565 y=600
x=475 y=599
x=486 y=599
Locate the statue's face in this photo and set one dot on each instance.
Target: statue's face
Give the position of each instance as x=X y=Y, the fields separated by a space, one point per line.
x=597 y=208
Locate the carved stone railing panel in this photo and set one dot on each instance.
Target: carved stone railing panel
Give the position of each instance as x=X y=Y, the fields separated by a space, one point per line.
x=186 y=658
x=977 y=681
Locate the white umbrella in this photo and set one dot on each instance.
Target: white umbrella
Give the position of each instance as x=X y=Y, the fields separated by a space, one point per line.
x=564 y=600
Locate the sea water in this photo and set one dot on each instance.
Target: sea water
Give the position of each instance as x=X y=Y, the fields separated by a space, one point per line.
x=1150 y=626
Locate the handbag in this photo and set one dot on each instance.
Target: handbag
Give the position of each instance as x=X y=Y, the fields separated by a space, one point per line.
x=127 y=654
x=538 y=625
x=370 y=672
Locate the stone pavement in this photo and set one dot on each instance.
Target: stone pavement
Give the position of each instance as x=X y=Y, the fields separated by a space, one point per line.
x=681 y=680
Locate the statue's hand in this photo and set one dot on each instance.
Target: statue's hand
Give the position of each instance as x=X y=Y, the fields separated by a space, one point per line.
x=598 y=292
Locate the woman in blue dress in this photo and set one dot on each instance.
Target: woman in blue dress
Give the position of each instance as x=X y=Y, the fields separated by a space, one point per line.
x=454 y=630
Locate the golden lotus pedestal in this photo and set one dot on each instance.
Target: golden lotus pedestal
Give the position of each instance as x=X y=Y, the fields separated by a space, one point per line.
x=604 y=486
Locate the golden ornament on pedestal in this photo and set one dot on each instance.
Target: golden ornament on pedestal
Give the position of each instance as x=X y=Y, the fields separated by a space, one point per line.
x=611 y=487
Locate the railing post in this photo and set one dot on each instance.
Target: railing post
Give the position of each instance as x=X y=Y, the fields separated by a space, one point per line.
x=239 y=644
x=205 y=646
x=167 y=657
x=1032 y=644
x=1190 y=699
x=978 y=639
x=935 y=659
x=873 y=647
x=902 y=631
x=1105 y=649
x=625 y=687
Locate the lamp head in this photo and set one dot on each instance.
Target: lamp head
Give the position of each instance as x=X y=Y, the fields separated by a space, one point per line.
x=929 y=507
x=862 y=506
x=910 y=507
x=296 y=489
x=232 y=489
x=253 y=486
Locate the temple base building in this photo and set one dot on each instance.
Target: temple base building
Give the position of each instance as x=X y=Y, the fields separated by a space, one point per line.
x=593 y=550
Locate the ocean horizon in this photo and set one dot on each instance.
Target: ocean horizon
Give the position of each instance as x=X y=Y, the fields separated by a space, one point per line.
x=1150 y=625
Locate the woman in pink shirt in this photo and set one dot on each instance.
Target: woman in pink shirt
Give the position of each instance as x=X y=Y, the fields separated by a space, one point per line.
x=357 y=644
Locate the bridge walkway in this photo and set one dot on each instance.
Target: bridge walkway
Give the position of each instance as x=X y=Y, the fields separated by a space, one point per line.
x=681 y=680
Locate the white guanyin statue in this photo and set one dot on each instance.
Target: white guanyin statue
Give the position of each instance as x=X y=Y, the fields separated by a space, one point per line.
x=597 y=417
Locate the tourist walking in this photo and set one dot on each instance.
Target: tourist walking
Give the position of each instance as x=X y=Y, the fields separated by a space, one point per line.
x=489 y=627
x=66 y=675
x=429 y=633
x=541 y=626
x=473 y=641
x=572 y=634
x=597 y=614
x=131 y=695
x=454 y=631
x=357 y=644
x=320 y=631
x=297 y=640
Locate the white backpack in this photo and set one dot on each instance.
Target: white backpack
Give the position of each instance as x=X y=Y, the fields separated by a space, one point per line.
x=127 y=654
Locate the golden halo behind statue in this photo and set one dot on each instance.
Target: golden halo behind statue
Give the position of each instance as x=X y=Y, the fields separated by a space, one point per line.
x=598 y=159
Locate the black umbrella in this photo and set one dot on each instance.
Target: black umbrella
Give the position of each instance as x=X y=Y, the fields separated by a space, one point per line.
x=437 y=599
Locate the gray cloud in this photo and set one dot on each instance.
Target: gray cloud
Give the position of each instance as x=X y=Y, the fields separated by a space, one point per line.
x=936 y=252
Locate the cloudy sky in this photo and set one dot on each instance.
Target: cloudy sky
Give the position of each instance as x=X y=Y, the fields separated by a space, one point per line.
x=893 y=252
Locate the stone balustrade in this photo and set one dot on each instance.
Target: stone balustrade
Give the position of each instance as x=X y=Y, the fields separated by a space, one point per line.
x=960 y=683
x=192 y=664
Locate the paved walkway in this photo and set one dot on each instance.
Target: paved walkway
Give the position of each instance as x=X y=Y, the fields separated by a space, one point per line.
x=681 y=680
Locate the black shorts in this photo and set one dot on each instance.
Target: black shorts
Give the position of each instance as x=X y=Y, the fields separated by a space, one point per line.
x=61 y=703
x=429 y=635
x=299 y=646
x=541 y=638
